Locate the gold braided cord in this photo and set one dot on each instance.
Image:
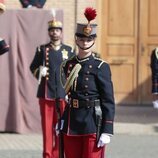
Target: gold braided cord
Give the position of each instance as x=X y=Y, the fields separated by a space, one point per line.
x=72 y=76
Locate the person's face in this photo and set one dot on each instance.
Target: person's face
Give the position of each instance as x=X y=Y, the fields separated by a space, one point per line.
x=55 y=34
x=85 y=42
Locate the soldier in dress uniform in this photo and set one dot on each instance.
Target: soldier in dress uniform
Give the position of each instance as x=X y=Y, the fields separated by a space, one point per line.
x=154 y=72
x=87 y=122
x=46 y=68
x=32 y=3
x=3 y=46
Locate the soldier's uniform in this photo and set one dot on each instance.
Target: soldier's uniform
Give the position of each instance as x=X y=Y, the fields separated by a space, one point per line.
x=154 y=74
x=154 y=69
x=50 y=90
x=35 y=3
x=3 y=46
x=92 y=86
x=91 y=89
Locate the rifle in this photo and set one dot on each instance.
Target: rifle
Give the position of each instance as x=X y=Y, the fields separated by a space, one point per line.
x=61 y=144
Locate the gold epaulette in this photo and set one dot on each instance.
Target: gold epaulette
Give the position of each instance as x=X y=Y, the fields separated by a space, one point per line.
x=39 y=49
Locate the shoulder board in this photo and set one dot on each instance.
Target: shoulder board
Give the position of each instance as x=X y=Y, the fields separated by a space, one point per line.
x=72 y=50
x=156 y=52
x=39 y=49
x=42 y=46
x=101 y=61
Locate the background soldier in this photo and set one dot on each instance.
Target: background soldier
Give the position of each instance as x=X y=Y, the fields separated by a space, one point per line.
x=46 y=68
x=32 y=3
x=87 y=122
x=154 y=71
x=3 y=46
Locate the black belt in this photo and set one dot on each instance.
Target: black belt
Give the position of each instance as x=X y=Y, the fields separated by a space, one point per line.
x=75 y=103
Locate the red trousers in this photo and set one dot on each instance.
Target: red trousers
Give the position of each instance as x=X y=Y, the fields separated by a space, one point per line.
x=82 y=147
x=48 y=122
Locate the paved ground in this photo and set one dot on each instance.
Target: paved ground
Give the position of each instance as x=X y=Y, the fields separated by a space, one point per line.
x=20 y=146
x=136 y=130
x=142 y=119
x=133 y=146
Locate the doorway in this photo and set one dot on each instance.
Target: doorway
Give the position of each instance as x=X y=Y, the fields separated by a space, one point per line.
x=128 y=33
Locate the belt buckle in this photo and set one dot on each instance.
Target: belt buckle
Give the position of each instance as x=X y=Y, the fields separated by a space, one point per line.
x=75 y=103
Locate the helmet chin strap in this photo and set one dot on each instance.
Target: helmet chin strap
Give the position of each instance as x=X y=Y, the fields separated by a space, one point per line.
x=85 y=48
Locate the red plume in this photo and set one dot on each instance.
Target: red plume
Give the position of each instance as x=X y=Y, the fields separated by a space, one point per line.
x=90 y=14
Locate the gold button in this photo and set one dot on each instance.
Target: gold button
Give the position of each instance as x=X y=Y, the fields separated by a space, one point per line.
x=68 y=71
x=47 y=53
x=70 y=65
x=47 y=63
x=86 y=78
x=47 y=73
x=47 y=49
x=47 y=78
x=90 y=66
x=47 y=58
x=86 y=86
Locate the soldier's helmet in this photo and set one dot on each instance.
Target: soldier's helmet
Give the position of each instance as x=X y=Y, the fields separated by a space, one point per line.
x=2 y=8
x=87 y=29
x=54 y=23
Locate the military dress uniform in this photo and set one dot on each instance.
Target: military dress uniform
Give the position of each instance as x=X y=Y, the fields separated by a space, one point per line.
x=154 y=70
x=36 y=3
x=93 y=86
x=89 y=114
x=50 y=92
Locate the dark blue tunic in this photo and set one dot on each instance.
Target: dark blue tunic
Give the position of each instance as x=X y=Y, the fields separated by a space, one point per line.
x=50 y=86
x=93 y=83
x=154 y=70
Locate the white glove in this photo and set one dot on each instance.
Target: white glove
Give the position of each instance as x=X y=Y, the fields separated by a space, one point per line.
x=104 y=139
x=155 y=104
x=29 y=6
x=66 y=98
x=43 y=70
